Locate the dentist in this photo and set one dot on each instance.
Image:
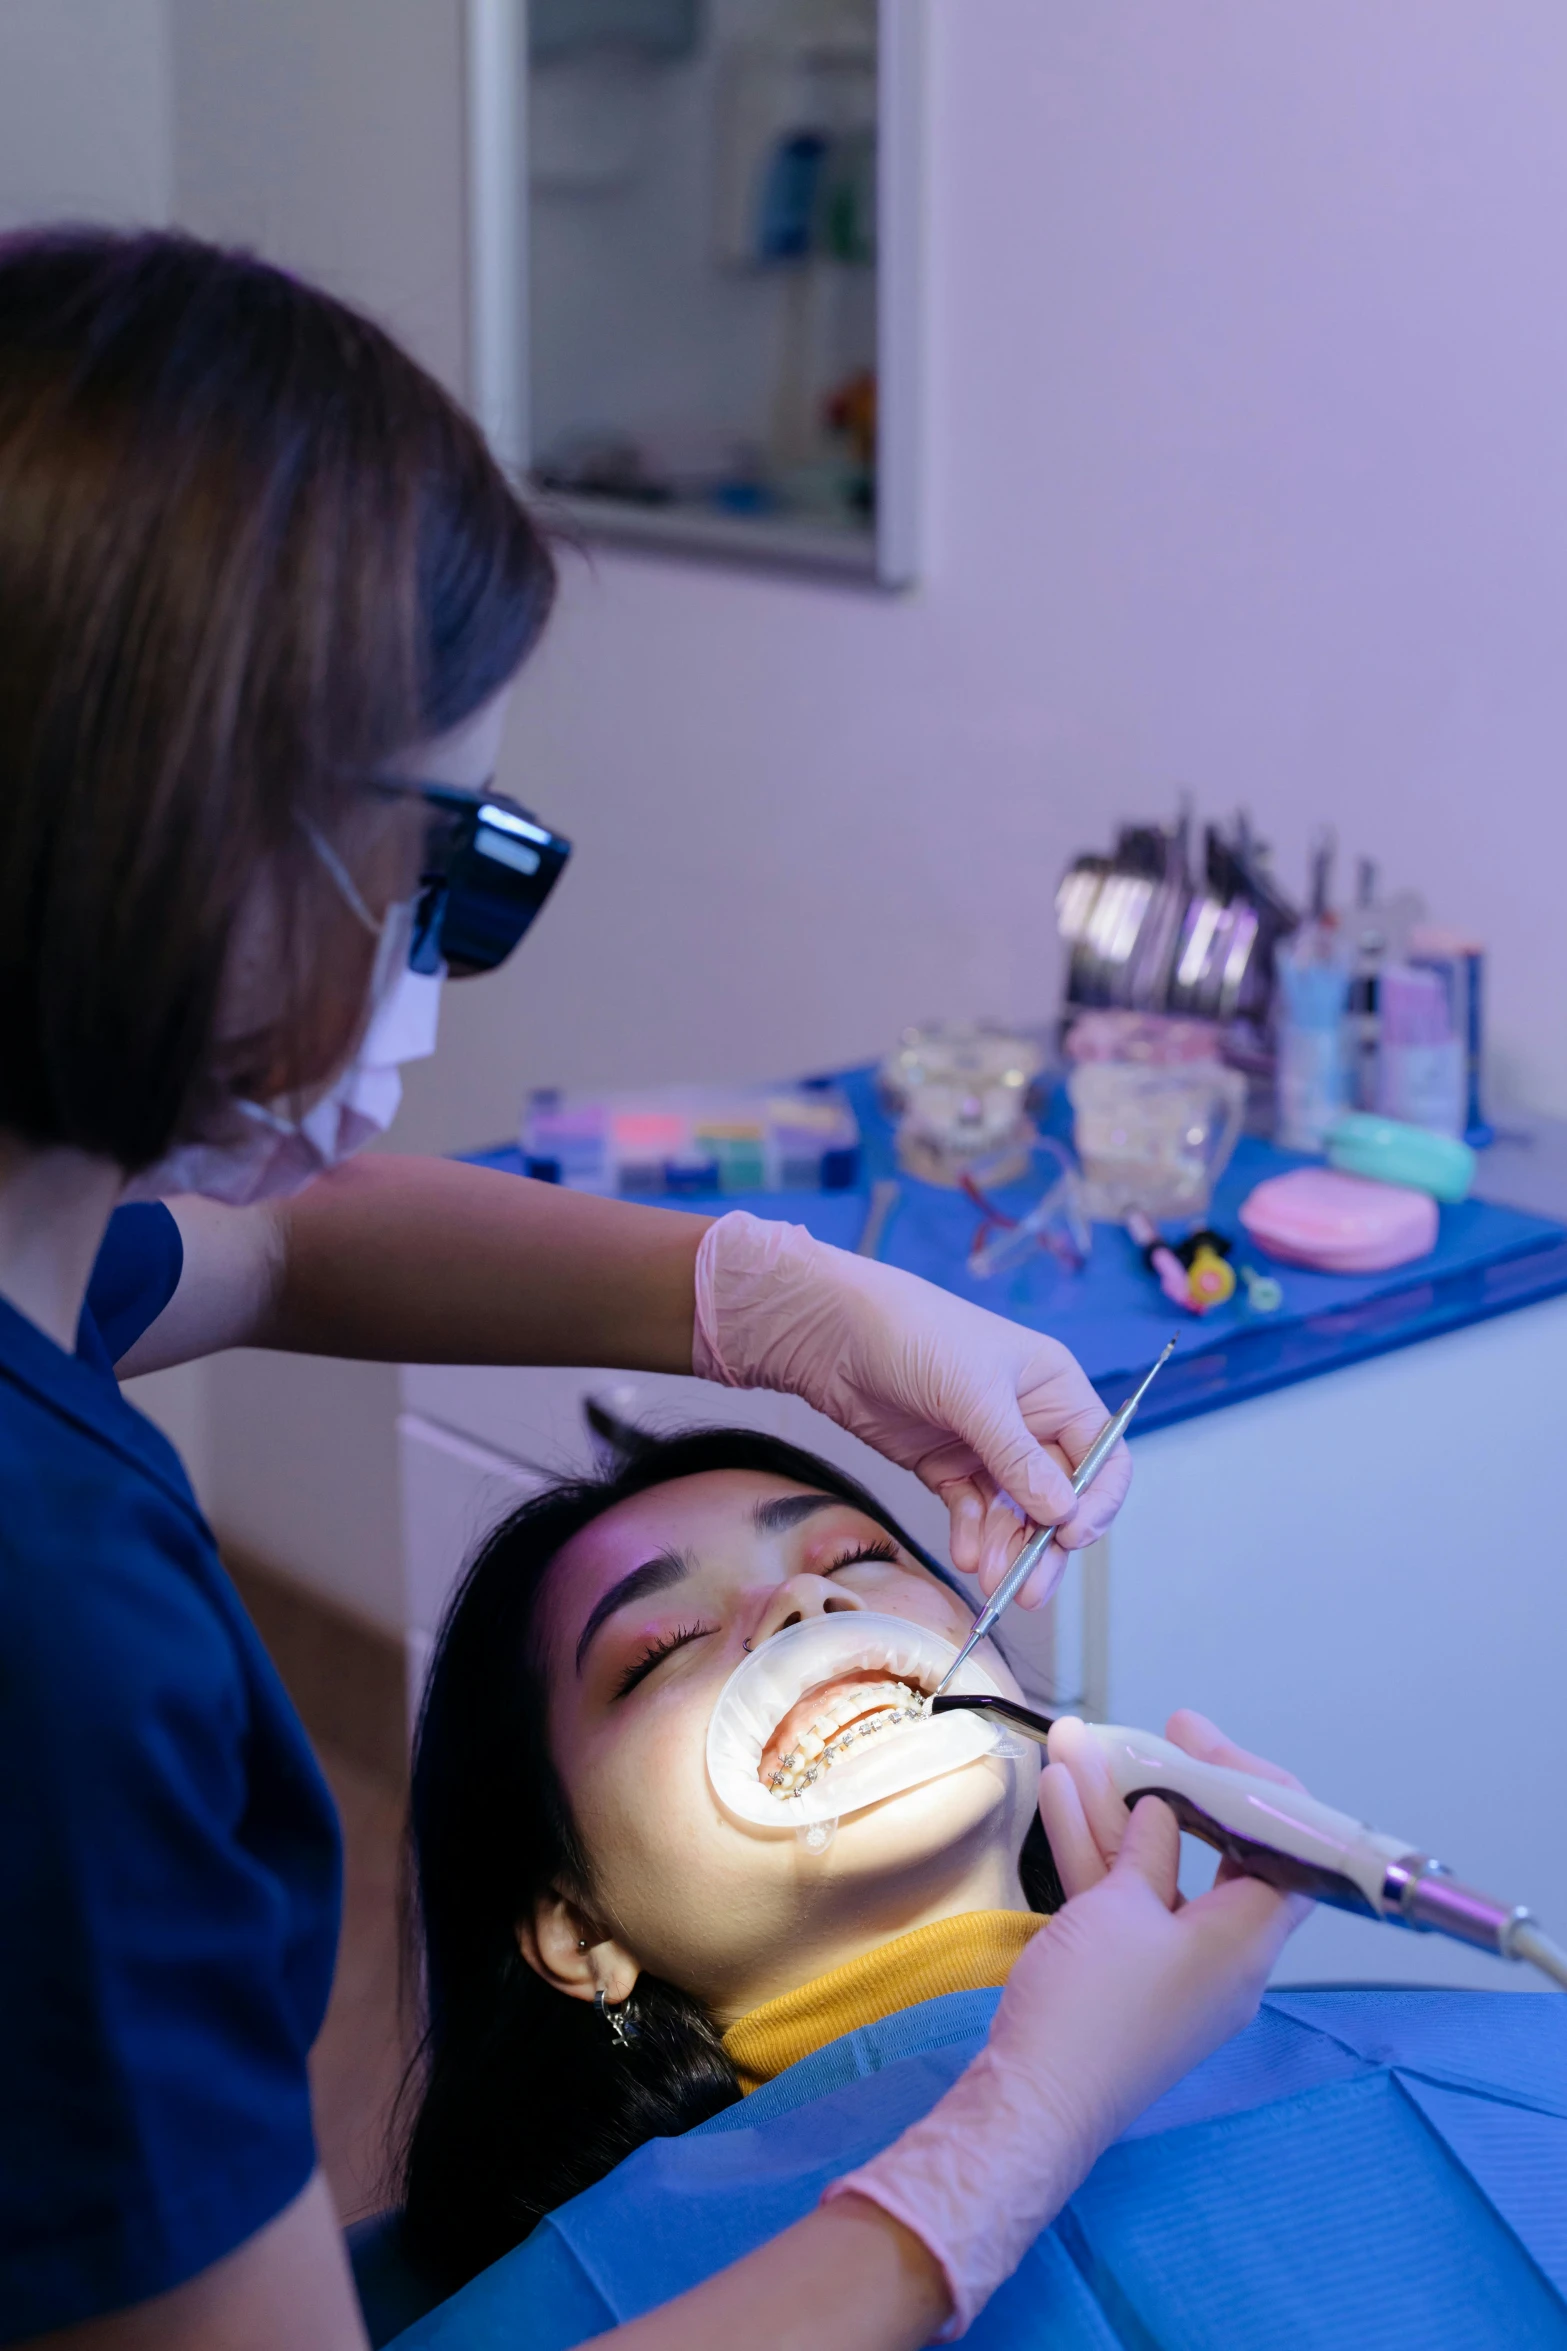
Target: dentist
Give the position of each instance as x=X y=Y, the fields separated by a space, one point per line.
x=263 y=594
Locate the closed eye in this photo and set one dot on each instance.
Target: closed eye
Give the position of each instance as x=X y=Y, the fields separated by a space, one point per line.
x=655 y=1653
x=884 y=1552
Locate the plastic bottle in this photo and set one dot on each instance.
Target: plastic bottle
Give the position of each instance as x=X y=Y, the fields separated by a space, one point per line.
x=1421 y=1062
x=1378 y=931
x=1314 y=972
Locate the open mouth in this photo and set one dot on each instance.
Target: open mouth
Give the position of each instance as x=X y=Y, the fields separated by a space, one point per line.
x=829 y=1717
x=831 y=1720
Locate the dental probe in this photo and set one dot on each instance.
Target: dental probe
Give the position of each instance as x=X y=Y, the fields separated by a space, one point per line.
x=1034 y=1549
x=1288 y=1839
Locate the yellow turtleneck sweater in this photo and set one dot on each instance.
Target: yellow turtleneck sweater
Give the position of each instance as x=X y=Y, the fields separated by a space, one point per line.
x=966 y=1954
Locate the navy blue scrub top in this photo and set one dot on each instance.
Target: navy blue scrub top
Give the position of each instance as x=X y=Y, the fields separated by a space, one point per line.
x=169 y=1863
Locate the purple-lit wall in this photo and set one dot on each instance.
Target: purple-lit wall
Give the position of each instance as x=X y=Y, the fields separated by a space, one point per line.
x=1247 y=454
x=1248 y=471
x=1248 y=467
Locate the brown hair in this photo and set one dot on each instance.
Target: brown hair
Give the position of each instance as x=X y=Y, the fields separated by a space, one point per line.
x=248 y=550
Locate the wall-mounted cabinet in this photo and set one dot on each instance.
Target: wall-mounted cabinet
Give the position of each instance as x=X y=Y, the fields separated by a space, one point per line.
x=695 y=232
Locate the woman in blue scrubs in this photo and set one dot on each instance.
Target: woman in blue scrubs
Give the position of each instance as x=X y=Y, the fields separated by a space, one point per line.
x=262 y=594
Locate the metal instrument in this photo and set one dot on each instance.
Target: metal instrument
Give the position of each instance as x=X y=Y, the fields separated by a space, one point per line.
x=885 y=1195
x=1288 y=1839
x=1034 y=1549
x=1147 y=931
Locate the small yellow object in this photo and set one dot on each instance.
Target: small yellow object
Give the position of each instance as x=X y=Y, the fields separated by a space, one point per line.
x=1210 y=1279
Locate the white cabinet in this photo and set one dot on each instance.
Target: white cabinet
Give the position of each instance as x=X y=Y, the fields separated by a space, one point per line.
x=1363 y=1576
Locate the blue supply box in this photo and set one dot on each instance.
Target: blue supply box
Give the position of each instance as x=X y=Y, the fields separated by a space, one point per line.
x=693 y=1142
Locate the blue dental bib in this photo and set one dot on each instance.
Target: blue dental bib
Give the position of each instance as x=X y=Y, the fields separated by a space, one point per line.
x=1357 y=2171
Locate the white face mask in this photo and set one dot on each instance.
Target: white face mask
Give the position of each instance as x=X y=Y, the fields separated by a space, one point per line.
x=279 y=1154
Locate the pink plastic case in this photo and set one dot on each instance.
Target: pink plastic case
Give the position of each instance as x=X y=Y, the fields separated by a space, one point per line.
x=1339 y=1223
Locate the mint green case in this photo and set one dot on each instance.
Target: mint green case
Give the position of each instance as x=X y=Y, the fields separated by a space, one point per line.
x=1365 y=1145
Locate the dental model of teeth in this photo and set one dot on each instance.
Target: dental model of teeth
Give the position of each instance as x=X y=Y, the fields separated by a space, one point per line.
x=857 y=1714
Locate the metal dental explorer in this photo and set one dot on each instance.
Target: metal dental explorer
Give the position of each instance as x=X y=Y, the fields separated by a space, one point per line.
x=1034 y=1549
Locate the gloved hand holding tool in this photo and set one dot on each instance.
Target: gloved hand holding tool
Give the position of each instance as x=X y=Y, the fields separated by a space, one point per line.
x=987 y=1414
x=1125 y=1991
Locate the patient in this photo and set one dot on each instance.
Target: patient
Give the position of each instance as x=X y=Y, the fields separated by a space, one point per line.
x=568 y=1842
x=617 y=1961
x=611 y=1957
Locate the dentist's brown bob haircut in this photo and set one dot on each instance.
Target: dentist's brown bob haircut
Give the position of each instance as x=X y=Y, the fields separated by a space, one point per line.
x=248 y=551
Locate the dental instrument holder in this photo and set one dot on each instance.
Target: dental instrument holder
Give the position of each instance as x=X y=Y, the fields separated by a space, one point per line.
x=1290 y=1841
x=1034 y=1549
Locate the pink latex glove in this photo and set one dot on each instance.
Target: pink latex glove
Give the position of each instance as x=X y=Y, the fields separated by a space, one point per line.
x=984 y=1412
x=1126 y=1990
x=1084 y=1815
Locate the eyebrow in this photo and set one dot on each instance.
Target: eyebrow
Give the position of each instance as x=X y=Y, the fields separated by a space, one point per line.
x=655 y=1575
x=776 y=1518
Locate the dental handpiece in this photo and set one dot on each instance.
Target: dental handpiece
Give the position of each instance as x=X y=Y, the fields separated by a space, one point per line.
x=1288 y=1839
x=1034 y=1549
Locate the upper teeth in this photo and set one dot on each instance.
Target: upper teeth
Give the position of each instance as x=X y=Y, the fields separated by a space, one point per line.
x=818 y=1748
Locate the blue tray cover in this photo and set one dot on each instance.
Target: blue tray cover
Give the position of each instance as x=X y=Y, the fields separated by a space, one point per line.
x=1360 y=2170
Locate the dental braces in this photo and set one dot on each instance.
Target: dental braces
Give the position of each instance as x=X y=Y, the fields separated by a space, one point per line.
x=794 y=1775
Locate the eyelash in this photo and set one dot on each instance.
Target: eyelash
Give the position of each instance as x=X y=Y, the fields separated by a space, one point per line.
x=655 y=1653
x=885 y=1552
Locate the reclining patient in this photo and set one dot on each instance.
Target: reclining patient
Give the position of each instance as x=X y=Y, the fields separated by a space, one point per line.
x=719 y=2037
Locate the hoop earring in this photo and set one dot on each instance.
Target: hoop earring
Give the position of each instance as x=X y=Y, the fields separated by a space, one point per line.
x=622 y=2028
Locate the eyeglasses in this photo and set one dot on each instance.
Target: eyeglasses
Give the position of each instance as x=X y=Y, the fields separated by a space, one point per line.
x=488 y=868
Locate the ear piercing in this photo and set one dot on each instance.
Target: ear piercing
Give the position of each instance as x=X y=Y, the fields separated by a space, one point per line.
x=621 y=2025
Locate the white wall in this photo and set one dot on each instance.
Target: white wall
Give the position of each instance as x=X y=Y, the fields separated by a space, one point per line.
x=328 y=134
x=85 y=130
x=1248 y=360
x=1248 y=366
x=86 y=133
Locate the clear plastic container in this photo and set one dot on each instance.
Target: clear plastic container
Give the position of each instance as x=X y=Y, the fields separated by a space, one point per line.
x=1154 y=1139
x=963 y=1093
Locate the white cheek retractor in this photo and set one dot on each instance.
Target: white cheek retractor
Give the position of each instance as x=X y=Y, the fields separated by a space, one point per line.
x=902 y=1750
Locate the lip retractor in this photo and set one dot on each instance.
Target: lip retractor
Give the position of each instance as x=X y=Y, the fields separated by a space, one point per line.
x=893 y=1750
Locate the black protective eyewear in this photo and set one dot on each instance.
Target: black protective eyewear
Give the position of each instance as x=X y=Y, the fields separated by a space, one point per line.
x=488 y=868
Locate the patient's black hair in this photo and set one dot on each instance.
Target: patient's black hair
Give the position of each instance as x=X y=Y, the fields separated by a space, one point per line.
x=525 y=2099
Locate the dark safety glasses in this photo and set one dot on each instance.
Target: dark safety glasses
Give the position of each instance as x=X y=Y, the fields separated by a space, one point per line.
x=488 y=868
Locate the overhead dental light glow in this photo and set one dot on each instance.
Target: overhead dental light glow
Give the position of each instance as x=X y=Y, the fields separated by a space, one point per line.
x=829 y=1717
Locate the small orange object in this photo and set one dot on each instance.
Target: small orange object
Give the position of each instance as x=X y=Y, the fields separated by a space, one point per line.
x=851 y=411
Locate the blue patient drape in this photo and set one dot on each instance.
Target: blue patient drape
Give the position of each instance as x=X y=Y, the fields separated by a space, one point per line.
x=1358 y=2171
